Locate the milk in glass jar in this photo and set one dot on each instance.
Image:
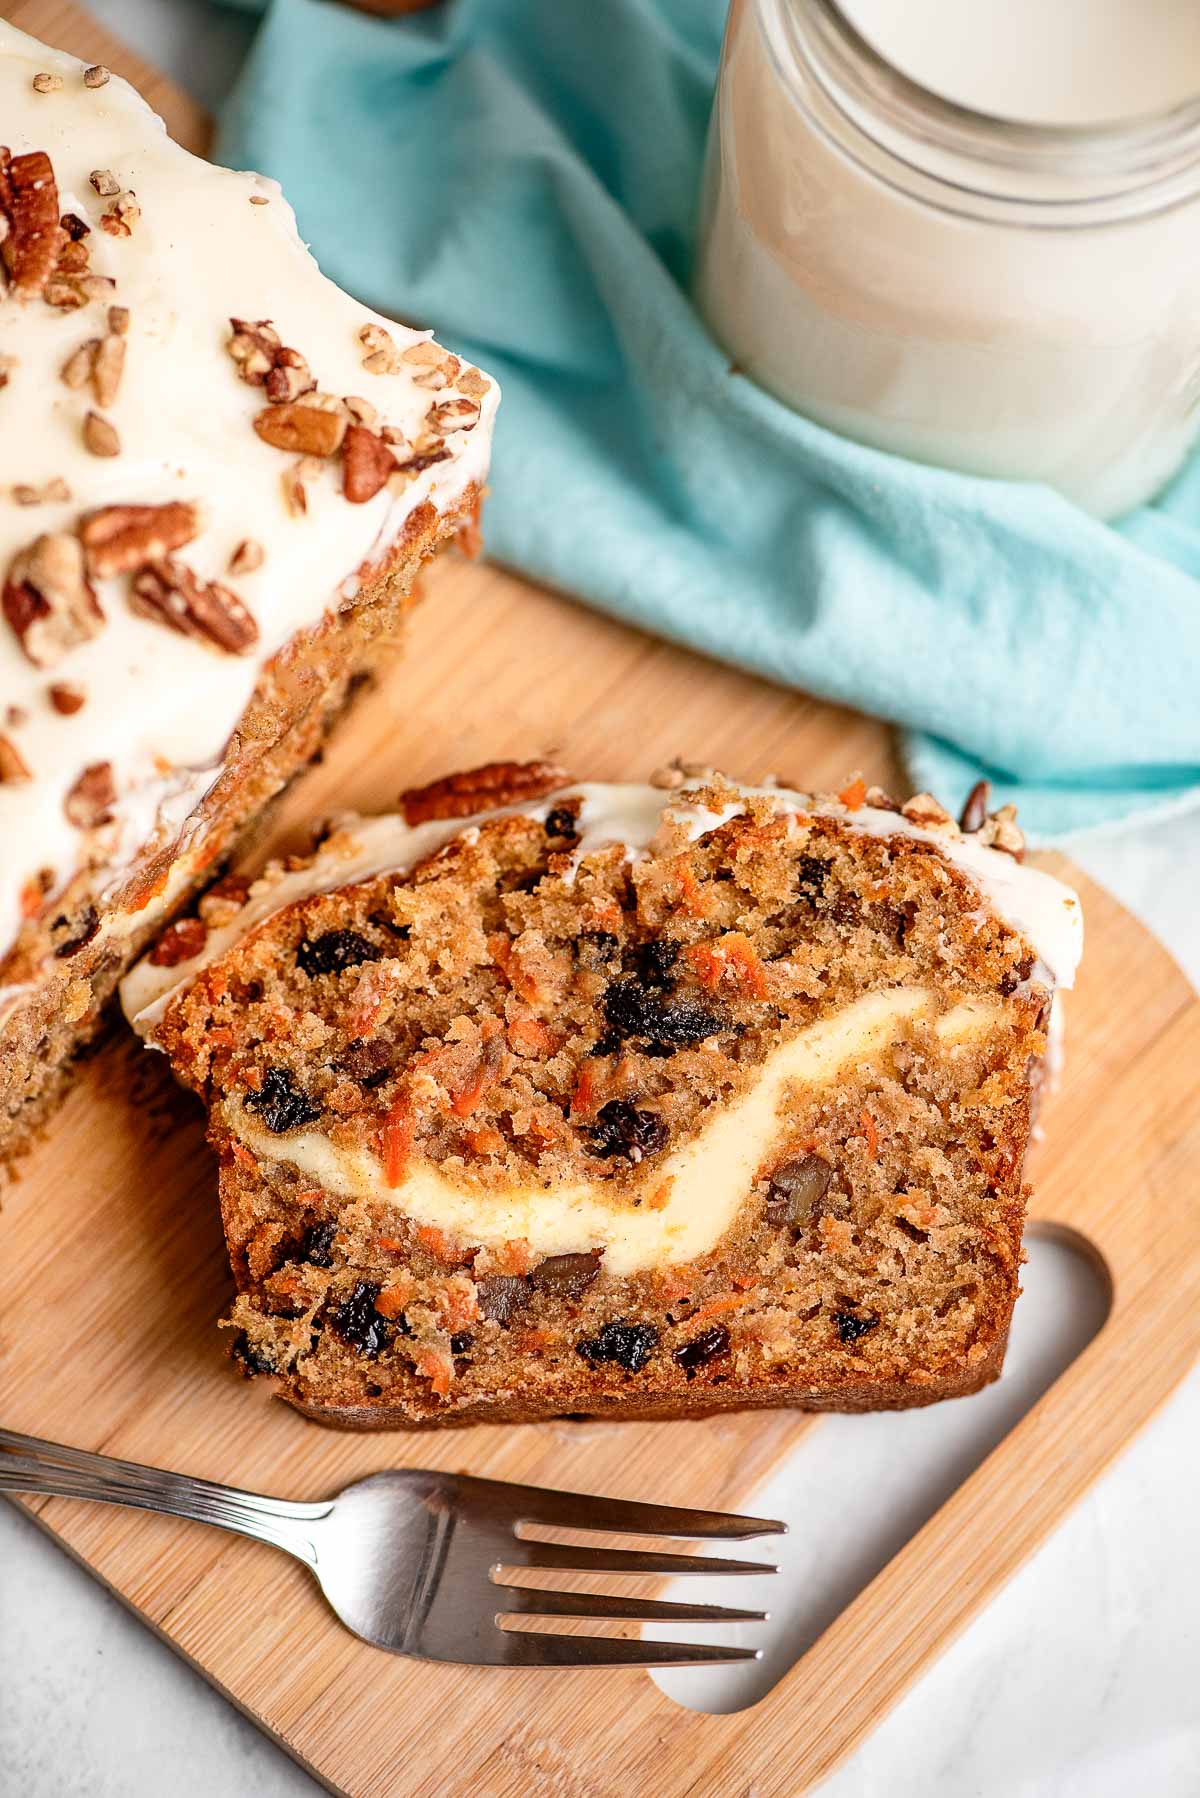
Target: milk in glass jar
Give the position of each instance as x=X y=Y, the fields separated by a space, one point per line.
x=967 y=233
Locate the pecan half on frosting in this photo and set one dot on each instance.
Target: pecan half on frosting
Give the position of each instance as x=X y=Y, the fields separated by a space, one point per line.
x=118 y=539
x=481 y=790
x=34 y=238
x=169 y=592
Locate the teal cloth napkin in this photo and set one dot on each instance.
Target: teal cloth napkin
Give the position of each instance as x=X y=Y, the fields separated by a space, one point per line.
x=522 y=175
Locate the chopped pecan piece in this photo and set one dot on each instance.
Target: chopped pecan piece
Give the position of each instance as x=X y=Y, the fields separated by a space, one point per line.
x=108 y=365
x=295 y=492
x=77 y=369
x=105 y=183
x=254 y=348
x=300 y=429
x=90 y=801
x=366 y=464
x=480 y=790
x=66 y=697
x=54 y=489
x=430 y=365
x=13 y=766
x=118 y=320
x=29 y=205
x=100 y=435
x=1001 y=831
x=117 y=539
x=471 y=382
x=423 y=457
x=48 y=599
x=248 y=556
x=975 y=809
x=381 y=357
x=75 y=227
x=169 y=592
x=923 y=809
x=44 y=83
x=453 y=415
x=96 y=76
x=120 y=218
x=289 y=378
x=69 y=292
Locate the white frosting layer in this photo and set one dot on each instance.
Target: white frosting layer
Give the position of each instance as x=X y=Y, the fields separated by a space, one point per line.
x=681 y=1206
x=200 y=254
x=1045 y=911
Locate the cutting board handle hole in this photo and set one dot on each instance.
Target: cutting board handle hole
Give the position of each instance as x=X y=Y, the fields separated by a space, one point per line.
x=857 y=1488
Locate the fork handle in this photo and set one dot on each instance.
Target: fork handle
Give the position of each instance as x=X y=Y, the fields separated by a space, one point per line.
x=52 y=1470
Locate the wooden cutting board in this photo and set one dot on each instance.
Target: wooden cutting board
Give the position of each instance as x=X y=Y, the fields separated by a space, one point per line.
x=112 y=1274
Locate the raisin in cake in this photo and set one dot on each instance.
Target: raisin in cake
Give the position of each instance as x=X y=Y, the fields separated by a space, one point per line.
x=218 y=478
x=621 y=1098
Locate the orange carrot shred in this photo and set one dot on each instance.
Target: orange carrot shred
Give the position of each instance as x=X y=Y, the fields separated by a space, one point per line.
x=438 y=1369
x=715 y=1307
x=854 y=796
x=397 y=1140
x=870 y=1132
x=438 y=1244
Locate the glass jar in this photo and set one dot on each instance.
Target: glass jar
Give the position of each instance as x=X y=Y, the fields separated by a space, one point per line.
x=1007 y=299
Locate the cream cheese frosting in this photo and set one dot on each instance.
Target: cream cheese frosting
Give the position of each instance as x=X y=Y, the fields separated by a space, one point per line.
x=679 y=1209
x=1042 y=909
x=207 y=245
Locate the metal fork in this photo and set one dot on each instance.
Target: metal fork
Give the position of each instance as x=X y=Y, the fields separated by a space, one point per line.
x=415 y=1560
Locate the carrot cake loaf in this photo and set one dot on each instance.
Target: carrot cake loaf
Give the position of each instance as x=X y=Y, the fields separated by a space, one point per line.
x=547 y=1098
x=218 y=478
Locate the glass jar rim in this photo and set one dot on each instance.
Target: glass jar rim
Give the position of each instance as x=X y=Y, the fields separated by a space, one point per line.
x=971 y=162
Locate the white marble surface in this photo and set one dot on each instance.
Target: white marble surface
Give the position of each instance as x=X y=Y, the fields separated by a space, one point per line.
x=1082 y=1680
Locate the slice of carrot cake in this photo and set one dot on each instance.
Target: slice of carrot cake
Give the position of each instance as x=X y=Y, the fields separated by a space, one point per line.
x=639 y=1100
x=219 y=476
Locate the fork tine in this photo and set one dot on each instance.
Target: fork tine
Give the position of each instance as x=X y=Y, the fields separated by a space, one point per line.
x=532 y=1601
x=582 y=1511
x=525 y=1553
x=525 y=1649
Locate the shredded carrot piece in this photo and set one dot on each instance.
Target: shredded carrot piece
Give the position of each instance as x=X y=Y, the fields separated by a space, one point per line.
x=391 y=1245
x=437 y=1242
x=715 y=1307
x=870 y=1132
x=532 y=1034
x=501 y=952
x=514 y=1256
x=243 y=1155
x=661 y=1195
x=437 y=1368
x=485 y=1142
x=399 y=1128
x=691 y=897
x=458 y=1306
x=220 y=1037
x=731 y=954
x=392 y=1300
x=854 y=796
x=583 y=1098
x=485 y=1071
x=309 y=1193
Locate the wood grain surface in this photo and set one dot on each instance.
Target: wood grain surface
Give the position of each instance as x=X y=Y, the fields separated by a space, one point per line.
x=112 y=1275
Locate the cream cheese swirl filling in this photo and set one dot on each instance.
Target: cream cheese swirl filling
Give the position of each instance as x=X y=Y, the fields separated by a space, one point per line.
x=684 y=1202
